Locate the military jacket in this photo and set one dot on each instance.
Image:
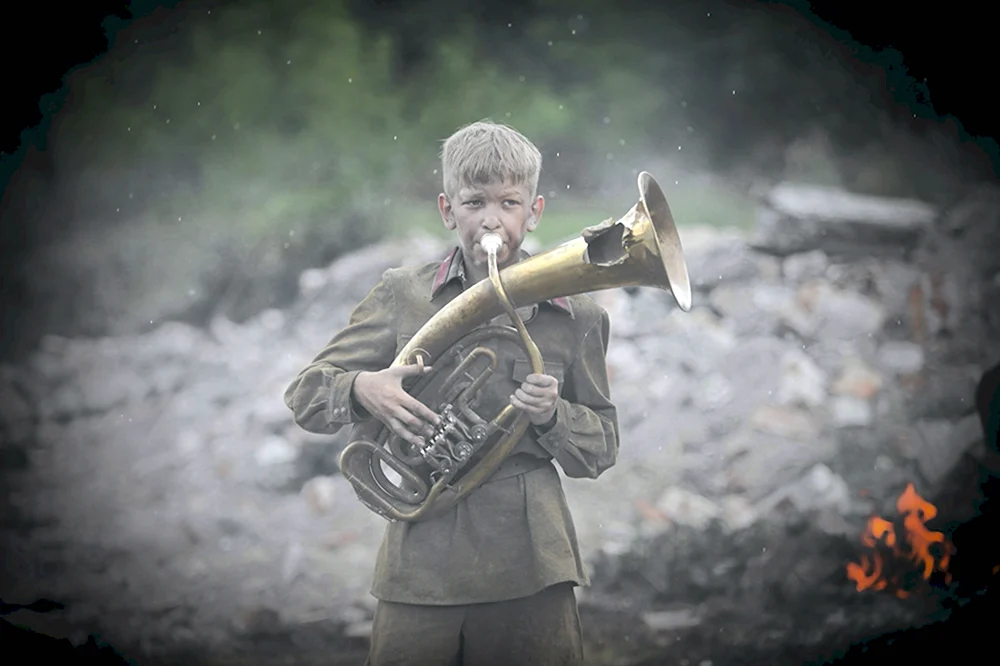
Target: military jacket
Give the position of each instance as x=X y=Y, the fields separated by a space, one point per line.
x=514 y=535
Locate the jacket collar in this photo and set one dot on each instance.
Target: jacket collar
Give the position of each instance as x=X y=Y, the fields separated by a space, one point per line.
x=453 y=268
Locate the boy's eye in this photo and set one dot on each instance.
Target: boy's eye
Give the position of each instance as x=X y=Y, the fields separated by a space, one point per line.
x=512 y=202
x=473 y=202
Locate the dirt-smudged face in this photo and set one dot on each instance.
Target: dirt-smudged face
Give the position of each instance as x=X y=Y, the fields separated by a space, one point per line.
x=496 y=207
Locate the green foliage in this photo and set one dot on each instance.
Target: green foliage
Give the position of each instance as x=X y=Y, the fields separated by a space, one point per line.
x=265 y=120
x=264 y=134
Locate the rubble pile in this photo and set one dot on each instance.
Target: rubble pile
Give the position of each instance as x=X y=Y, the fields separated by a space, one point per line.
x=160 y=491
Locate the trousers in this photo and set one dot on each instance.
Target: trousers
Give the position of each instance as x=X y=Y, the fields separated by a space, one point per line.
x=540 y=630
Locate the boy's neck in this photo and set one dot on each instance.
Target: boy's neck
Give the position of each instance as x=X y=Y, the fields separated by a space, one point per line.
x=475 y=274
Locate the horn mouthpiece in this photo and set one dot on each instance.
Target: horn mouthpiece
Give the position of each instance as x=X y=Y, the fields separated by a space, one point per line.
x=491 y=243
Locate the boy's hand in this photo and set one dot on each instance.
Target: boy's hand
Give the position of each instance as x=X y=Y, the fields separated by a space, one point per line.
x=537 y=396
x=382 y=394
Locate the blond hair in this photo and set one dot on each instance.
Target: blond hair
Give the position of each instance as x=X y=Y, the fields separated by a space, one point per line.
x=483 y=151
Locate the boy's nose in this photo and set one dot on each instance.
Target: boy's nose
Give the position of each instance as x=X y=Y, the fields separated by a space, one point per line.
x=491 y=222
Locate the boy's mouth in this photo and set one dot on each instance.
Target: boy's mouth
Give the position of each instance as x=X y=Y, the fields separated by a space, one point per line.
x=493 y=239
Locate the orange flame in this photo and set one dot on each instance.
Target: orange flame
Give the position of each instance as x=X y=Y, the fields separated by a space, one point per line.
x=920 y=544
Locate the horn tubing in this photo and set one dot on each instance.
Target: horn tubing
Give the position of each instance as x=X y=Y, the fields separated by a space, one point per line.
x=650 y=255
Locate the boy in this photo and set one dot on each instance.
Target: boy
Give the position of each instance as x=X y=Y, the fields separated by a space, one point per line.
x=491 y=581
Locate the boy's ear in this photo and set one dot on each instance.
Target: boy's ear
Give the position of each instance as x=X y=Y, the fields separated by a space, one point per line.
x=444 y=206
x=537 y=206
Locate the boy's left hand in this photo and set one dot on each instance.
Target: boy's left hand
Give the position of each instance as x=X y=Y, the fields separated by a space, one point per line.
x=537 y=396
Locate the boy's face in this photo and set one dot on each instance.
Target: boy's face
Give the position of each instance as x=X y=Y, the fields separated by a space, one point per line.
x=496 y=207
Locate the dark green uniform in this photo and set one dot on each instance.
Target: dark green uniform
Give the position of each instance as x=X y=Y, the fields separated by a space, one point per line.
x=495 y=573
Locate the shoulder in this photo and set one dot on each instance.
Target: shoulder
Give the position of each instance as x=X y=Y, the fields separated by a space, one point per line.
x=587 y=312
x=409 y=274
x=409 y=281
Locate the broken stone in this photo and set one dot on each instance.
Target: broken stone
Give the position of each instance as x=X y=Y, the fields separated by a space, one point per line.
x=320 y=493
x=838 y=314
x=788 y=422
x=805 y=266
x=737 y=512
x=669 y=620
x=941 y=446
x=685 y=508
x=818 y=490
x=901 y=357
x=940 y=392
x=714 y=392
x=893 y=283
x=857 y=380
x=802 y=381
x=759 y=463
x=723 y=261
x=275 y=451
x=851 y=412
x=753 y=308
x=800 y=218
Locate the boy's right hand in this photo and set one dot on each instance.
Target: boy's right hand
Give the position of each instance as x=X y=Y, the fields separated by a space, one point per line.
x=381 y=394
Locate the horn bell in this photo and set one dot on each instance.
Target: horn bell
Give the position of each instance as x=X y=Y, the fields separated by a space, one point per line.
x=666 y=240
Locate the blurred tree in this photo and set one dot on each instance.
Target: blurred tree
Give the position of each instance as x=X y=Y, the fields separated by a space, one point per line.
x=279 y=136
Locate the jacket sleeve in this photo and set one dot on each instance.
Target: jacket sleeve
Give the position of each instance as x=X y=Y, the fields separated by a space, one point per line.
x=584 y=437
x=320 y=395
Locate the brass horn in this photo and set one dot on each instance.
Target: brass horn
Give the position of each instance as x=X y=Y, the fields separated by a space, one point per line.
x=642 y=248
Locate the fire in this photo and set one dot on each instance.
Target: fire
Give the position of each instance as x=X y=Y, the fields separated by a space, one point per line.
x=927 y=551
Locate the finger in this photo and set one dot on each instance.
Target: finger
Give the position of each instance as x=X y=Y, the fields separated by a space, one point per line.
x=537 y=391
x=541 y=380
x=523 y=406
x=411 y=370
x=403 y=433
x=546 y=399
x=420 y=409
x=534 y=402
x=411 y=421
